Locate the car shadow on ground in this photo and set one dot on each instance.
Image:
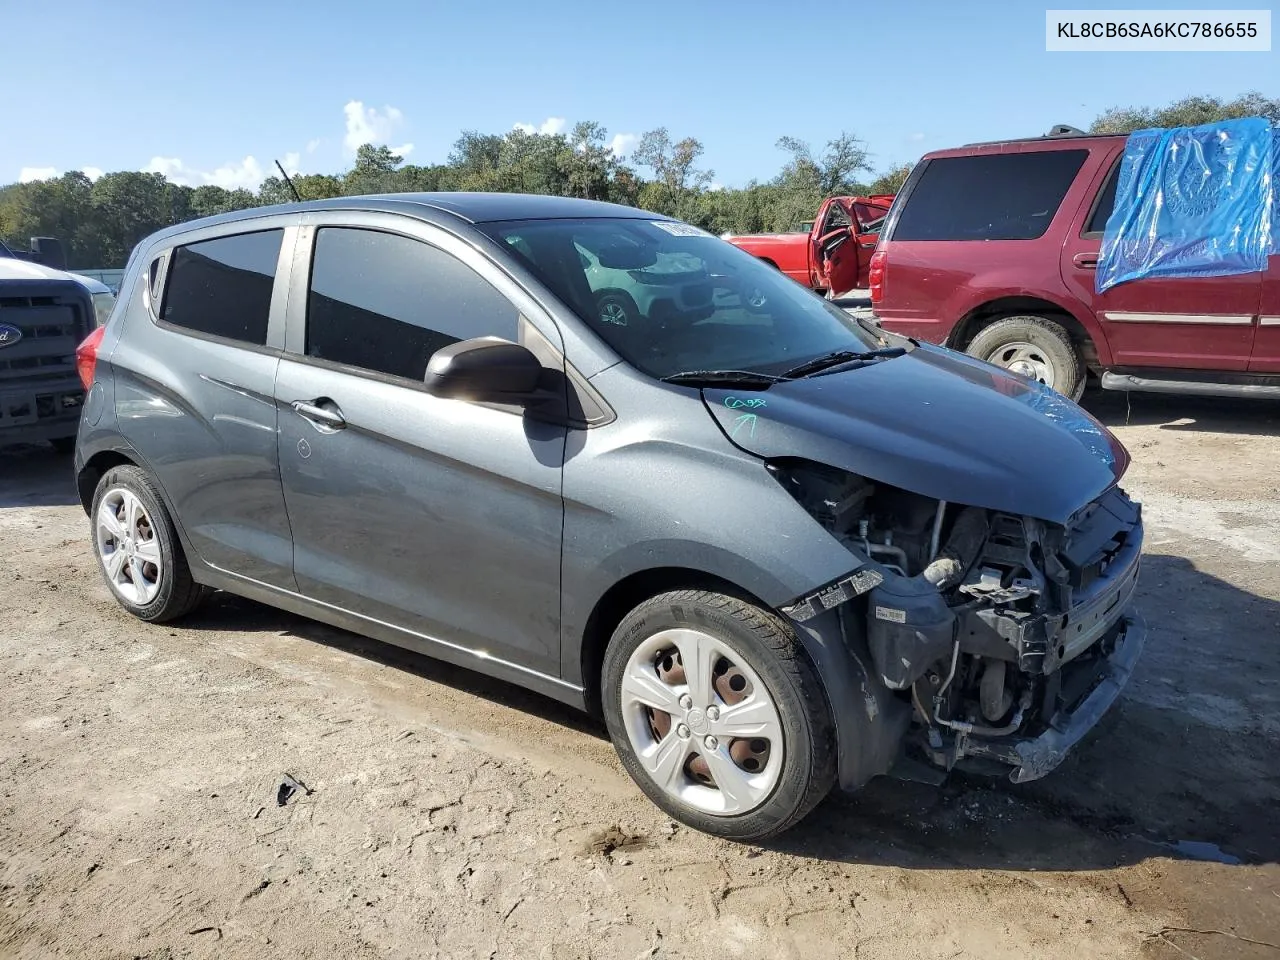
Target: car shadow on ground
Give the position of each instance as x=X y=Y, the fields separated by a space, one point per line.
x=35 y=475
x=1195 y=414
x=228 y=612
x=1154 y=773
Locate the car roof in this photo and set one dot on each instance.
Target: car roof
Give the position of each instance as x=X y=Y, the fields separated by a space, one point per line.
x=1064 y=141
x=469 y=207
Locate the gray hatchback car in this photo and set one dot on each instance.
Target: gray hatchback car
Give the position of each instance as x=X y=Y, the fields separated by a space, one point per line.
x=774 y=546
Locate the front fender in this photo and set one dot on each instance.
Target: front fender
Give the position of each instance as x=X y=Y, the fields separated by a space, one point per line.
x=869 y=721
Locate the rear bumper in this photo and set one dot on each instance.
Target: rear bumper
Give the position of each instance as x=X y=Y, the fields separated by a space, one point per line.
x=45 y=410
x=1033 y=757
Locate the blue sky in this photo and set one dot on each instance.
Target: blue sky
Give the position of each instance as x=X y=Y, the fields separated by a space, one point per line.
x=213 y=92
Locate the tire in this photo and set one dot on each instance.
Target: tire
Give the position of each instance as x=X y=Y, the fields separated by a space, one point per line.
x=167 y=591
x=63 y=445
x=782 y=763
x=617 y=308
x=1042 y=347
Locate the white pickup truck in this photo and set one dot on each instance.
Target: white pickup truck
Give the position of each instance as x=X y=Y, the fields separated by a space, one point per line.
x=44 y=314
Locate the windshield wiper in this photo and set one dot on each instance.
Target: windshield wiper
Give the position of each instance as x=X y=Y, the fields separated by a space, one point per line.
x=841 y=356
x=749 y=378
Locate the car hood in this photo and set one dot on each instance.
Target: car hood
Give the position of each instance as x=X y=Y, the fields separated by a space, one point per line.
x=11 y=268
x=937 y=423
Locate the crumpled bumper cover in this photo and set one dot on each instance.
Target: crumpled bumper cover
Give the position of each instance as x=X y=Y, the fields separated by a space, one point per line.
x=1034 y=757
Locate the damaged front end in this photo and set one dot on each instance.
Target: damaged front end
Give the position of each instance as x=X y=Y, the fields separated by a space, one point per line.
x=1005 y=637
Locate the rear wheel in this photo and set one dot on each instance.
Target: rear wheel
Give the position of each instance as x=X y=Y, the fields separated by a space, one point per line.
x=1035 y=347
x=718 y=715
x=138 y=549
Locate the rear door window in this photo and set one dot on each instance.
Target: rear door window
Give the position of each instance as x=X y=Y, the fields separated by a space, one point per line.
x=1001 y=196
x=385 y=303
x=223 y=287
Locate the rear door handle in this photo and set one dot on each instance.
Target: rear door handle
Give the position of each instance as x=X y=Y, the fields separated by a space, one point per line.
x=320 y=416
x=1089 y=261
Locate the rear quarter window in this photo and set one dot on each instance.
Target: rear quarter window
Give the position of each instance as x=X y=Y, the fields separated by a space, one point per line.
x=1104 y=204
x=999 y=196
x=223 y=287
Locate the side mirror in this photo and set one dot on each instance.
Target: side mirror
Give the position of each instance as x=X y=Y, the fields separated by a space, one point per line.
x=49 y=252
x=485 y=368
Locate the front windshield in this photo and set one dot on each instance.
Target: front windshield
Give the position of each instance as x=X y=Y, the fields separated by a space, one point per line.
x=671 y=298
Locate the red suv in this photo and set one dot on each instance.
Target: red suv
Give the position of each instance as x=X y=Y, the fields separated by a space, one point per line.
x=993 y=249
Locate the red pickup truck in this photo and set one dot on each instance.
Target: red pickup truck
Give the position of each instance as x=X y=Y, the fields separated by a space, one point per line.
x=832 y=256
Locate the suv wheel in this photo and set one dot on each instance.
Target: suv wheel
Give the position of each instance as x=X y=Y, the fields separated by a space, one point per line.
x=1035 y=347
x=718 y=715
x=138 y=549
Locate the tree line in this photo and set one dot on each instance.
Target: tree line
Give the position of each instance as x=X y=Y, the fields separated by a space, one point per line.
x=102 y=220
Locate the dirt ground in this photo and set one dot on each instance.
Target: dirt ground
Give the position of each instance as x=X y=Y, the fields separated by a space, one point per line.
x=452 y=816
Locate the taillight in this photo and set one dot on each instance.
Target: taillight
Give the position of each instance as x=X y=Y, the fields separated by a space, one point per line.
x=87 y=356
x=875 y=274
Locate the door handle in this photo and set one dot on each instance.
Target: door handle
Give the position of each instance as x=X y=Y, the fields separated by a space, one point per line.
x=1089 y=261
x=321 y=416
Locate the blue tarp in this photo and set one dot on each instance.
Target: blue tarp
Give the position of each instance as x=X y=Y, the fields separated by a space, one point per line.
x=1194 y=202
x=1275 y=192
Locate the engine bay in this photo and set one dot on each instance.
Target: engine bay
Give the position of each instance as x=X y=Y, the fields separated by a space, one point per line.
x=991 y=624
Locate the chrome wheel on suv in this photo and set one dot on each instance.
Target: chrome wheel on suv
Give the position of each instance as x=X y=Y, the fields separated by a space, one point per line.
x=701 y=722
x=1035 y=347
x=1026 y=359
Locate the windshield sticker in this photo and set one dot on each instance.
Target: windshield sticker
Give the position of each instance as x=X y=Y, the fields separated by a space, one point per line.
x=733 y=403
x=677 y=229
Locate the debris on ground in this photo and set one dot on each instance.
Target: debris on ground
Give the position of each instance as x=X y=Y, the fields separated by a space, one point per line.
x=289 y=785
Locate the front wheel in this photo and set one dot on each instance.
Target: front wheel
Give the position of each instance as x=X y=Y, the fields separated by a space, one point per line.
x=718 y=715
x=1035 y=347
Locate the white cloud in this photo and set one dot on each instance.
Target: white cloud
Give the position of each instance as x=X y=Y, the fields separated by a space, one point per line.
x=402 y=151
x=290 y=164
x=916 y=137
x=370 y=125
x=550 y=126
x=168 y=167
x=246 y=174
x=314 y=145
x=31 y=174
x=716 y=185
x=622 y=143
